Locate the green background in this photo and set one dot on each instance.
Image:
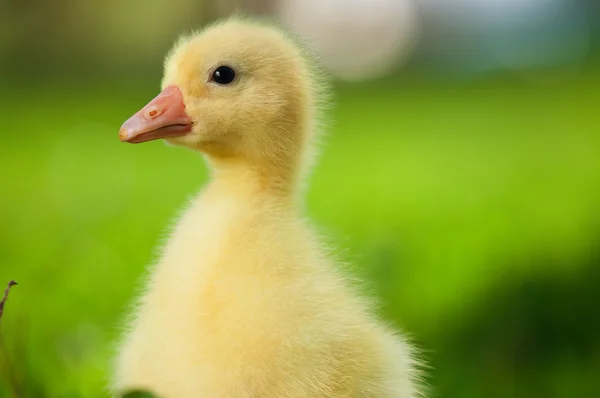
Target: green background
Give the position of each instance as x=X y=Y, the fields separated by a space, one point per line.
x=471 y=208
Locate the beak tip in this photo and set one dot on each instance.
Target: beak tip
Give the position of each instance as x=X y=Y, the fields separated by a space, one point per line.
x=123 y=134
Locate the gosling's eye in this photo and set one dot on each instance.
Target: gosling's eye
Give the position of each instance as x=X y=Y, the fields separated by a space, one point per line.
x=223 y=75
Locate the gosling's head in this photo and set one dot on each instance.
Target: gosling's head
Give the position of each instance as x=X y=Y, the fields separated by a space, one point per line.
x=237 y=89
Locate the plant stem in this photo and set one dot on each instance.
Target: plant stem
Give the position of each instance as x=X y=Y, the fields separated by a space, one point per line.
x=10 y=284
x=12 y=377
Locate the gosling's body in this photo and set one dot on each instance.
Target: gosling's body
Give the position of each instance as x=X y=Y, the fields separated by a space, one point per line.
x=245 y=300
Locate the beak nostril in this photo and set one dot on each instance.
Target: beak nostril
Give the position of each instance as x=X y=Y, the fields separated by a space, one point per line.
x=153 y=113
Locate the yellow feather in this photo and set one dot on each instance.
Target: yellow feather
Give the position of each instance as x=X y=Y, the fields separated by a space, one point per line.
x=245 y=301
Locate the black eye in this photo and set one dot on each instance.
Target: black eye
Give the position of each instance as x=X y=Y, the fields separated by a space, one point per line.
x=223 y=75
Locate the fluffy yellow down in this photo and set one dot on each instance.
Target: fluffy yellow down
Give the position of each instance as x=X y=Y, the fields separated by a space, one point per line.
x=245 y=301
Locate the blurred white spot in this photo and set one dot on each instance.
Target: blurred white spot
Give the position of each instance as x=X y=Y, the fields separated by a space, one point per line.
x=357 y=39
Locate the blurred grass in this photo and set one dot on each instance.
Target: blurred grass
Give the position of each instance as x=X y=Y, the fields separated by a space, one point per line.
x=438 y=194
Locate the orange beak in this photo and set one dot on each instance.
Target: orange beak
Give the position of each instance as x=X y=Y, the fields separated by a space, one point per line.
x=163 y=117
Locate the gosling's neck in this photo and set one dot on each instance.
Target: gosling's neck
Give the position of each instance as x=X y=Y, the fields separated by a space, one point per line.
x=267 y=163
x=277 y=183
